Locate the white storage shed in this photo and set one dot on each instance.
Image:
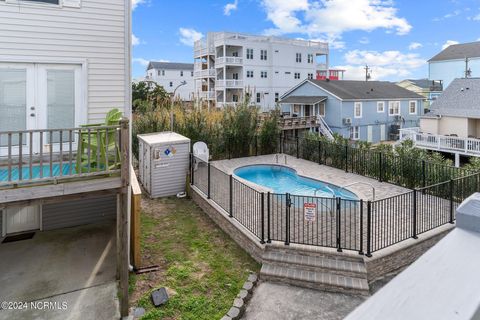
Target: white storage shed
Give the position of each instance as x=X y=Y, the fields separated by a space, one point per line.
x=164 y=162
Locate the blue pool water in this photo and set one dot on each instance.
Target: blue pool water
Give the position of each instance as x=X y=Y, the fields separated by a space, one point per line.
x=285 y=180
x=36 y=171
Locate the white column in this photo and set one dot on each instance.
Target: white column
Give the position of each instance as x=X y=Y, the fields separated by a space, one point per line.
x=457 y=160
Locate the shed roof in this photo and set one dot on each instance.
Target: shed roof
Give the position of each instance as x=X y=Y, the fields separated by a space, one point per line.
x=163 y=138
x=304 y=99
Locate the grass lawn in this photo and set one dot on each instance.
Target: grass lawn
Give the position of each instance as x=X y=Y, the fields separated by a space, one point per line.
x=201 y=267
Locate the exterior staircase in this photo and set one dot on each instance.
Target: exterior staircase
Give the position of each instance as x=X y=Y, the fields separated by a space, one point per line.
x=324 y=128
x=316 y=270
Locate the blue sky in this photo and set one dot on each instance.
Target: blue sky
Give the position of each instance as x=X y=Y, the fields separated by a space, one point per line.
x=395 y=38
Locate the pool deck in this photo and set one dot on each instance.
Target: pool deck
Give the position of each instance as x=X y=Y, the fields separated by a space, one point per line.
x=319 y=172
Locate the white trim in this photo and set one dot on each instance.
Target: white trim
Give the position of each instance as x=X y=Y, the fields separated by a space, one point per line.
x=351 y=134
x=416 y=107
x=383 y=108
x=399 y=108
x=355 y=104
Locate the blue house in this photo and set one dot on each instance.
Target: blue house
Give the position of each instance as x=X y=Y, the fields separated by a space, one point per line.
x=372 y=111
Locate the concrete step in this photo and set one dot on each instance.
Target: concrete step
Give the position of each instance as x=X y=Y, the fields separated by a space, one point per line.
x=322 y=252
x=314 y=279
x=336 y=266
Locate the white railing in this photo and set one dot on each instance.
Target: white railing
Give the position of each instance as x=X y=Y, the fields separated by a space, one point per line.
x=207 y=95
x=205 y=73
x=321 y=66
x=229 y=60
x=468 y=146
x=227 y=104
x=324 y=128
x=229 y=83
x=201 y=49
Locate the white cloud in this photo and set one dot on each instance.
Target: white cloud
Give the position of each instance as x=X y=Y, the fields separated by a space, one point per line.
x=415 y=46
x=229 y=7
x=188 y=36
x=449 y=43
x=331 y=18
x=386 y=64
x=135 y=3
x=135 y=40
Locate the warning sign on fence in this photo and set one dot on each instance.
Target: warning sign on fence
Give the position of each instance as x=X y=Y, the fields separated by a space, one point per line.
x=310 y=211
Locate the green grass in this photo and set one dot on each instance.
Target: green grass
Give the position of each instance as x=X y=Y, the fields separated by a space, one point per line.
x=202 y=266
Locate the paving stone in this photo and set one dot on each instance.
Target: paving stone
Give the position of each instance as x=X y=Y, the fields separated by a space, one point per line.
x=226 y=318
x=138 y=312
x=248 y=286
x=239 y=303
x=243 y=294
x=234 y=313
x=253 y=278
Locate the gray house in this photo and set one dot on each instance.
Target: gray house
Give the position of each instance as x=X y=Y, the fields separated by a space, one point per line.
x=372 y=111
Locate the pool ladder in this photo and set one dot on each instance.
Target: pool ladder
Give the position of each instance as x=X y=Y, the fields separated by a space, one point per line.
x=277 y=156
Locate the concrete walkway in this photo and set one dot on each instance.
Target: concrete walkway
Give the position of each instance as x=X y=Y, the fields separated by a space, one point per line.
x=272 y=301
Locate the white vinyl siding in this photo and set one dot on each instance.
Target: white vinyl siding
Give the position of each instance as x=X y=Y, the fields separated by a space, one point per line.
x=92 y=35
x=357 y=110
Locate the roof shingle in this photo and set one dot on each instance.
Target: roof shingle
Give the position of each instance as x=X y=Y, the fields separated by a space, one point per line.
x=458 y=51
x=460 y=99
x=170 y=65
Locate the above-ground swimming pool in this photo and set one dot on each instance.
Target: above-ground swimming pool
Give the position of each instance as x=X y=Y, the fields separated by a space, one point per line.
x=281 y=179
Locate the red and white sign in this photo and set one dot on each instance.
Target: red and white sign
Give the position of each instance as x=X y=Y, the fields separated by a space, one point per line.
x=310 y=211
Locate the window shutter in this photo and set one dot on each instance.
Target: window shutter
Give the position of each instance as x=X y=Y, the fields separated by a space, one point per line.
x=72 y=3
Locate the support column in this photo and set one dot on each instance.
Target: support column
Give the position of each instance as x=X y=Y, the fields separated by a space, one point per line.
x=457 y=160
x=122 y=217
x=224 y=75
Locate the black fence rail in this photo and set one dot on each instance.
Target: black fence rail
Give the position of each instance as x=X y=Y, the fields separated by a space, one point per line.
x=363 y=226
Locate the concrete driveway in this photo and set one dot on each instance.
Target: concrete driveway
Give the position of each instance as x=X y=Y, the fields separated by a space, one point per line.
x=61 y=274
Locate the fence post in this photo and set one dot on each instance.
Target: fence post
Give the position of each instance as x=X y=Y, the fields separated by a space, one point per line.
x=262 y=241
x=192 y=169
x=208 y=181
x=339 y=227
x=346 y=158
x=369 y=229
x=414 y=236
x=319 y=152
x=287 y=221
x=282 y=137
x=380 y=167
x=256 y=145
x=297 y=148
x=269 y=240
x=451 y=200
x=231 y=196
x=361 y=227
x=424 y=177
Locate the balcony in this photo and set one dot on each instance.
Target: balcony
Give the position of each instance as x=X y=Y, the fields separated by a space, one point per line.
x=207 y=95
x=452 y=144
x=289 y=122
x=89 y=158
x=230 y=61
x=201 y=49
x=206 y=73
x=229 y=83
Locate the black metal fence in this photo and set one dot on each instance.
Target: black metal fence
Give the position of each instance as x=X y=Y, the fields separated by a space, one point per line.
x=363 y=226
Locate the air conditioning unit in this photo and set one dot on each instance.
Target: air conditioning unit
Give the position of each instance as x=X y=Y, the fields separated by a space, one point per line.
x=347 y=121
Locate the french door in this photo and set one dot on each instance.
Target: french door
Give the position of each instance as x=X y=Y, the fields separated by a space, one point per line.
x=38 y=96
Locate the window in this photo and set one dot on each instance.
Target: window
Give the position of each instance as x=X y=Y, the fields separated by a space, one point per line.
x=297 y=75
x=310 y=58
x=298 y=58
x=357 y=110
x=380 y=106
x=287 y=72
x=163 y=72
x=171 y=84
x=263 y=54
x=181 y=73
x=249 y=74
x=191 y=74
x=263 y=74
x=296 y=109
x=259 y=97
x=276 y=96
x=412 y=107
x=235 y=98
x=310 y=76
x=235 y=76
x=158 y=72
x=354 y=133
x=235 y=54
x=394 y=108
x=321 y=110
x=249 y=54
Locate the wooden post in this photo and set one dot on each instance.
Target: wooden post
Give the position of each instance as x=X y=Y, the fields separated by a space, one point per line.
x=135 y=222
x=122 y=217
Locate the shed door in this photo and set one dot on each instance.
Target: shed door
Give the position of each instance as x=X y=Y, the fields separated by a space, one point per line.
x=369 y=133
x=382 y=132
x=22 y=219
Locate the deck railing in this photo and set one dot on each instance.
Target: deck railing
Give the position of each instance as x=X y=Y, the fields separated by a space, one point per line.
x=469 y=146
x=30 y=156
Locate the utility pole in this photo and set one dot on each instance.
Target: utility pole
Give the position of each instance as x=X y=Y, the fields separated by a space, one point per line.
x=468 y=71
x=367 y=74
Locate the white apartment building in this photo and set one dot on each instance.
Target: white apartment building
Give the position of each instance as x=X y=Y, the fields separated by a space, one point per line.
x=171 y=75
x=229 y=66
